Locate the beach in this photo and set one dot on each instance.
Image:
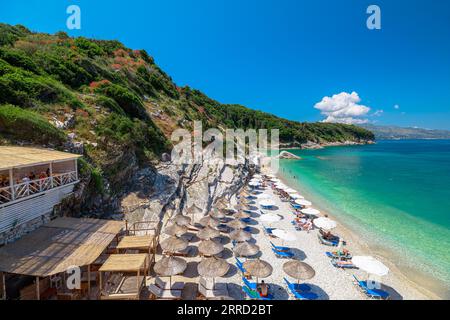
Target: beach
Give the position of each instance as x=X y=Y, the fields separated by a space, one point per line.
x=329 y=283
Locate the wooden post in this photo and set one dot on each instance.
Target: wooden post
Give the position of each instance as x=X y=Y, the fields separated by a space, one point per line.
x=138 y=282
x=76 y=169
x=11 y=184
x=100 y=285
x=89 y=281
x=3 y=286
x=51 y=175
x=38 y=291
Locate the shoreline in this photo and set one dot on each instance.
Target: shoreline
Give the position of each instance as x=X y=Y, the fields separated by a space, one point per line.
x=357 y=243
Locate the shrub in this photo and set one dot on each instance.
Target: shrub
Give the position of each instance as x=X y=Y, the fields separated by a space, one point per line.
x=27 y=125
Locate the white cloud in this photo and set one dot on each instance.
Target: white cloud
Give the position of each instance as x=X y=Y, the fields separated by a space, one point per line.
x=378 y=113
x=343 y=108
x=396 y=107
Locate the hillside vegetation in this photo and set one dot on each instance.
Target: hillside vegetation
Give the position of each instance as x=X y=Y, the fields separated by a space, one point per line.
x=116 y=103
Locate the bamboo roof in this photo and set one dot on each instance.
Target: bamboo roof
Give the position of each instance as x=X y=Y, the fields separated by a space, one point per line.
x=15 y=157
x=136 y=242
x=59 y=245
x=124 y=262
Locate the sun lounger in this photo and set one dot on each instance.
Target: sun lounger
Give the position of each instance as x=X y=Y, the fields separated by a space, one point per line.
x=158 y=293
x=251 y=285
x=335 y=255
x=165 y=285
x=300 y=294
x=332 y=243
x=254 y=295
x=246 y=220
x=278 y=248
x=240 y=266
x=372 y=293
x=343 y=264
x=283 y=254
x=247 y=229
x=268 y=231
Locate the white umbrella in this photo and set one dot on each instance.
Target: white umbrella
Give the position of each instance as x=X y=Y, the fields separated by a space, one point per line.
x=290 y=190
x=271 y=176
x=253 y=184
x=270 y=217
x=284 y=235
x=303 y=202
x=311 y=211
x=267 y=203
x=256 y=176
x=263 y=196
x=370 y=265
x=325 y=223
x=280 y=185
x=296 y=196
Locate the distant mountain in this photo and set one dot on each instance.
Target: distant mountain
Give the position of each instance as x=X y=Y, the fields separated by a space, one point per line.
x=395 y=133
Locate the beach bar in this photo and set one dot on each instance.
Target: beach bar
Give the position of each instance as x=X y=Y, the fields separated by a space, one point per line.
x=32 y=182
x=49 y=253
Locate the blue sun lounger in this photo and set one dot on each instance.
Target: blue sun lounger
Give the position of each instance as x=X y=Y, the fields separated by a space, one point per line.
x=343 y=264
x=251 y=285
x=301 y=295
x=372 y=293
x=254 y=295
x=268 y=231
x=283 y=254
x=278 y=248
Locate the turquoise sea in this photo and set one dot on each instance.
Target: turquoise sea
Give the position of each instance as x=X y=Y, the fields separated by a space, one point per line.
x=396 y=194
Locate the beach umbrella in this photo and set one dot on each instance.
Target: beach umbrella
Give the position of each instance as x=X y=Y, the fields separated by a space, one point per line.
x=174 y=244
x=310 y=211
x=296 y=196
x=245 y=249
x=303 y=202
x=370 y=265
x=280 y=185
x=242 y=215
x=181 y=220
x=175 y=230
x=209 y=222
x=267 y=203
x=217 y=214
x=299 y=270
x=257 y=176
x=258 y=268
x=208 y=233
x=290 y=190
x=210 y=247
x=270 y=217
x=170 y=266
x=238 y=207
x=240 y=235
x=237 y=224
x=213 y=267
x=284 y=235
x=325 y=223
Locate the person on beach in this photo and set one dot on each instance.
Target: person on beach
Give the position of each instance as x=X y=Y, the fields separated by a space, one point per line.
x=263 y=289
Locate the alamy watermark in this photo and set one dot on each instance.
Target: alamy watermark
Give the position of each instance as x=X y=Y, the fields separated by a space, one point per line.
x=374 y=20
x=230 y=146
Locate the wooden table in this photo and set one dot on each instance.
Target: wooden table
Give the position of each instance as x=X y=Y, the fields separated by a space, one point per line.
x=141 y=243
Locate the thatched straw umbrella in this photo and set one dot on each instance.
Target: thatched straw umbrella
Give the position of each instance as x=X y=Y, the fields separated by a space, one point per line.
x=258 y=268
x=237 y=224
x=242 y=215
x=209 y=222
x=299 y=270
x=240 y=235
x=246 y=249
x=175 y=230
x=217 y=214
x=208 y=233
x=210 y=247
x=170 y=266
x=174 y=244
x=182 y=220
x=192 y=210
x=213 y=267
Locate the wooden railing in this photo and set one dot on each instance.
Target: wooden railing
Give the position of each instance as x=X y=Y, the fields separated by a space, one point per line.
x=25 y=189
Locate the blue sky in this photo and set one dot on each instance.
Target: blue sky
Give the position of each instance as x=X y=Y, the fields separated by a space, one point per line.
x=281 y=56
